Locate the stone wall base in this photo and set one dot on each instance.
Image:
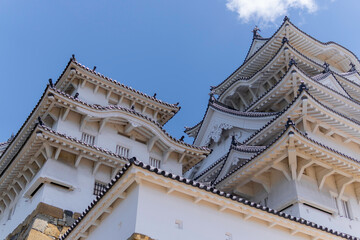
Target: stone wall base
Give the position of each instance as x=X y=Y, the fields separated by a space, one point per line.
x=139 y=236
x=46 y=222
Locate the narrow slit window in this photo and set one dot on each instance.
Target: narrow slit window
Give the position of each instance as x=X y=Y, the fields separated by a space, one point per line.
x=154 y=162
x=336 y=204
x=87 y=138
x=346 y=209
x=122 y=151
x=99 y=188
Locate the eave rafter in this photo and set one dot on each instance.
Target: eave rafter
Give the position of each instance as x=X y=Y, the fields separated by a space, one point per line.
x=75 y=73
x=292 y=153
x=247 y=210
x=312 y=114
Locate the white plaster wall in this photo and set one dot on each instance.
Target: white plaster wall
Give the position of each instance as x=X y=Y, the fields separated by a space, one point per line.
x=88 y=95
x=158 y=211
x=121 y=224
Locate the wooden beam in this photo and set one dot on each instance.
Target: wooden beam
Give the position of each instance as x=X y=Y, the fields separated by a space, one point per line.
x=322 y=175
x=264 y=181
x=182 y=156
x=292 y=161
x=151 y=142
x=302 y=165
x=83 y=121
x=65 y=113
x=77 y=160
x=342 y=183
x=96 y=167
x=283 y=167
x=166 y=154
x=57 y=153
x=102 y=124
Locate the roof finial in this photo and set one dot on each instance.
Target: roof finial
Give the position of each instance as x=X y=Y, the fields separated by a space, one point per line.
x=233 y=140
x=302 y=87
x=182 y=138
x=286 y=18
x=289 y=122
x=326 y=67
x=255 y=32
x=76 y=95
x=40 y=121
x=292 y=62
x=73 y=57
x=154 y=96
x=284 y=40
x=51 y=83
x=212 y=98
x=94 y=68
x=353 y=67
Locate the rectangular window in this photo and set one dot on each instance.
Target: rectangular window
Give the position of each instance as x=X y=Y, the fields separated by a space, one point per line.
x=87 y=138
x=122 y=151
x=346 y=209
x=99 y=188
x=154 y=162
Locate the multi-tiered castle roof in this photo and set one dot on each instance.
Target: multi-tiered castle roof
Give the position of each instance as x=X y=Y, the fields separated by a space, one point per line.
x=275 y=155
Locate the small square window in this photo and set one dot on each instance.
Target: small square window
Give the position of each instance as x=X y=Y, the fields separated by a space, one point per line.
x=87 y=138
x=99 y=188
x=154 y=162
x=122 y=151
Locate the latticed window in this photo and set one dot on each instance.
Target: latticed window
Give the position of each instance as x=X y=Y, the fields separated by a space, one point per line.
x=122 y=151
x=98 y=188
x=87 y=138
x=154 y=162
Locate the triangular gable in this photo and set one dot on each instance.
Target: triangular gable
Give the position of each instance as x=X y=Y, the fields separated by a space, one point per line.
x=331 y=82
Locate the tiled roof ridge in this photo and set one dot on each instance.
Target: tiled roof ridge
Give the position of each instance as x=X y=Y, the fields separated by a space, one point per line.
x=175 y=106
x=210 y=104
x=323 y=43
x=202 y=120
x=73 y=139
x=262 y=95
x=251 y=57
x=191 y=128
x=274 y=119
x=281 y=113
x=115 y=107
x=283 y=46
x=347 y=97
x=309 y=77
x=326 y=147
x=249 y=160
x=211 y=166
x=223 y=108
x=326 y=43
x=247 y=148
x=269 y=90
x=276 y=139
x=252 y=43
x=332 y=72
x=346 y=79
x=22 y=127
x=322 y=76
x=302 y=55
x=200 y=186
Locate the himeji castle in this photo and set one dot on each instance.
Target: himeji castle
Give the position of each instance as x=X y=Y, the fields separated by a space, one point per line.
x=275 y=156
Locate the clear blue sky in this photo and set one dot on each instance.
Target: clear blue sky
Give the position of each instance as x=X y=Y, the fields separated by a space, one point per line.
x=177 y=49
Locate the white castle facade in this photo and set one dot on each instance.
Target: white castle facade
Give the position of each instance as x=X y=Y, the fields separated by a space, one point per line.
x=276 y=155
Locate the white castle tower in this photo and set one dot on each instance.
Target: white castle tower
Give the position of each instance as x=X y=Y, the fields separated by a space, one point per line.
x=276 y=155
